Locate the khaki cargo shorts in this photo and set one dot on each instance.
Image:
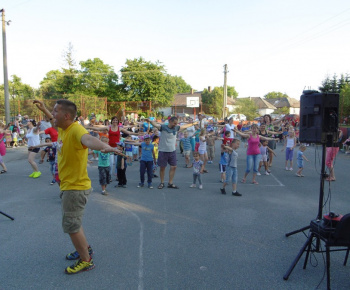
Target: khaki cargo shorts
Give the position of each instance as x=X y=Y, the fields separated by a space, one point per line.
x=73 y=206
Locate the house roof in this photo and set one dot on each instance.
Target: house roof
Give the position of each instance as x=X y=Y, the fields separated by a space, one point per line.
x=181 y=99
x=261 y=103
x=284 y=102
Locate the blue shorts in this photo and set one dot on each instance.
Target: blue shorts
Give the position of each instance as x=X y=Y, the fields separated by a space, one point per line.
x=231 y=173
x=300 y=163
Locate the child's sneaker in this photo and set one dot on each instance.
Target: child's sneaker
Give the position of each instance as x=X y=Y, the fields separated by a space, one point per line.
x=31 y=175
x=223 y=191
x=200 y=186
x=287 y=168
x=140 y=185
x=104 y=192
x=53 y=182
x=80 y=266
x=150 y=186
x=236 y=193
x=75 y=255
x=258 y=174
x=291 y=169
x=192 y=185
x=266 y=173
x=299 y=175
x=36 y=174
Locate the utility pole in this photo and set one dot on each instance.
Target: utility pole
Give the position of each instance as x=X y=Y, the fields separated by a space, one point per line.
x=6 y=83
x=224 y=109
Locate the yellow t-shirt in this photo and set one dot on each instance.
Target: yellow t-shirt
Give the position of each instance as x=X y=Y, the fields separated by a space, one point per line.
x=155 y=149
x=72 y=158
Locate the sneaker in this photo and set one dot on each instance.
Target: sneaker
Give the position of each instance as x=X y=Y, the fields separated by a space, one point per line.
x=266 y=173
x=192 y=185
x=124 y=186
x=223 y=191
x=75 y=255
x=258 y=174
x=150 y=186
x=297 y=174
x=222 y=181
x=141 y=185
x=154 y=175
x=200 y=186
x=236 y=193
x=80 y=266
x=37 y=174
x=291 y=169
x=32 y=174
x=53 y=182
x=287 y=168
x=104 y=192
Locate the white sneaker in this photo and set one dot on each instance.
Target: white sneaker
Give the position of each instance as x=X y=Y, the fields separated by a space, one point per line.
x=258 y=173
x=192 y=185
x=287 y=168
x=200 y=186
x=266 y=173
x=291 y=169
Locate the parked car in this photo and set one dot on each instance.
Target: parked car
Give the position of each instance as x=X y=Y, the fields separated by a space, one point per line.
x=237 y=117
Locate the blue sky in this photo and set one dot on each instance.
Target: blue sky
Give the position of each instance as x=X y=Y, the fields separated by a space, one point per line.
x=268 y=45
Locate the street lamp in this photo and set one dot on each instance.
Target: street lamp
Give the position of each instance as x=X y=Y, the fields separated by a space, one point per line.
x=6 y=84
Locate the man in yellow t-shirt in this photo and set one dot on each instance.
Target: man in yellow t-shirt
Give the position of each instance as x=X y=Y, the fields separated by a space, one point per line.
x=73 y=141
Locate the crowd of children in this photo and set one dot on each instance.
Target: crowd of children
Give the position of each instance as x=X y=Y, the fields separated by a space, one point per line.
x=139 y=142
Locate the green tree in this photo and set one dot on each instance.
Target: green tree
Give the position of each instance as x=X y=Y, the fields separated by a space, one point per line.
x=146 y=81
x=284 y=110
x=98 y=79
x=247 y=107
x=213 y=101
x=180 y=85
x=231 y=92
x=345 y=100
x=275 y=95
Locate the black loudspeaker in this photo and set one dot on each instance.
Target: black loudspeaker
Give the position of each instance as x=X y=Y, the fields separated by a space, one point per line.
x=319 y=117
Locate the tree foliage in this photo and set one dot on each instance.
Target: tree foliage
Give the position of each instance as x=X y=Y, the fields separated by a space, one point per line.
x=231 y=92
x=275 y=95
x=247 y=107
x=334 y=85
x=345 y=100
x=147 y=81
x=213 y=101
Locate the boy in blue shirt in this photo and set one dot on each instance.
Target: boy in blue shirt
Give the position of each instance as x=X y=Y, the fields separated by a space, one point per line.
x=103 y=167
x=146 y=162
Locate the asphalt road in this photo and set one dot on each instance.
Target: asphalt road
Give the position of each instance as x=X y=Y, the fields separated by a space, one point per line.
x=171 y=239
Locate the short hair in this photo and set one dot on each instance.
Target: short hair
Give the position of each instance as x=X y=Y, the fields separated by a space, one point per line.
x=195 y=153
x=235 y=140
x=302 y=146
x=68 y=107
x=173 y=119
x=104 y=138
x=227 y=133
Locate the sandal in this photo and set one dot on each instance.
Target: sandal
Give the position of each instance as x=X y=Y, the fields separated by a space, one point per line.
x=41 y=161
x=160 y=186
x=173 y=186
x=255 y=182
x=3 y=171
x=243 y=180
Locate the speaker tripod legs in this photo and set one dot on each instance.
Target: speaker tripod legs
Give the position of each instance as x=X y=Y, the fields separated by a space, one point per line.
x=297 y=258
x=10 y=217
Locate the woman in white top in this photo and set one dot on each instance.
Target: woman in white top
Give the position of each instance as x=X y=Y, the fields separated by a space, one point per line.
x=230 y=127
x=33 y=140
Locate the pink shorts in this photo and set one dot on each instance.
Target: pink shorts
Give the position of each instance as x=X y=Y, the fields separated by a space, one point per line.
x=330 y=156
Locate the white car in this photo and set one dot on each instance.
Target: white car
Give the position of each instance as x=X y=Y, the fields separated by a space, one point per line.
x=237 y=117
